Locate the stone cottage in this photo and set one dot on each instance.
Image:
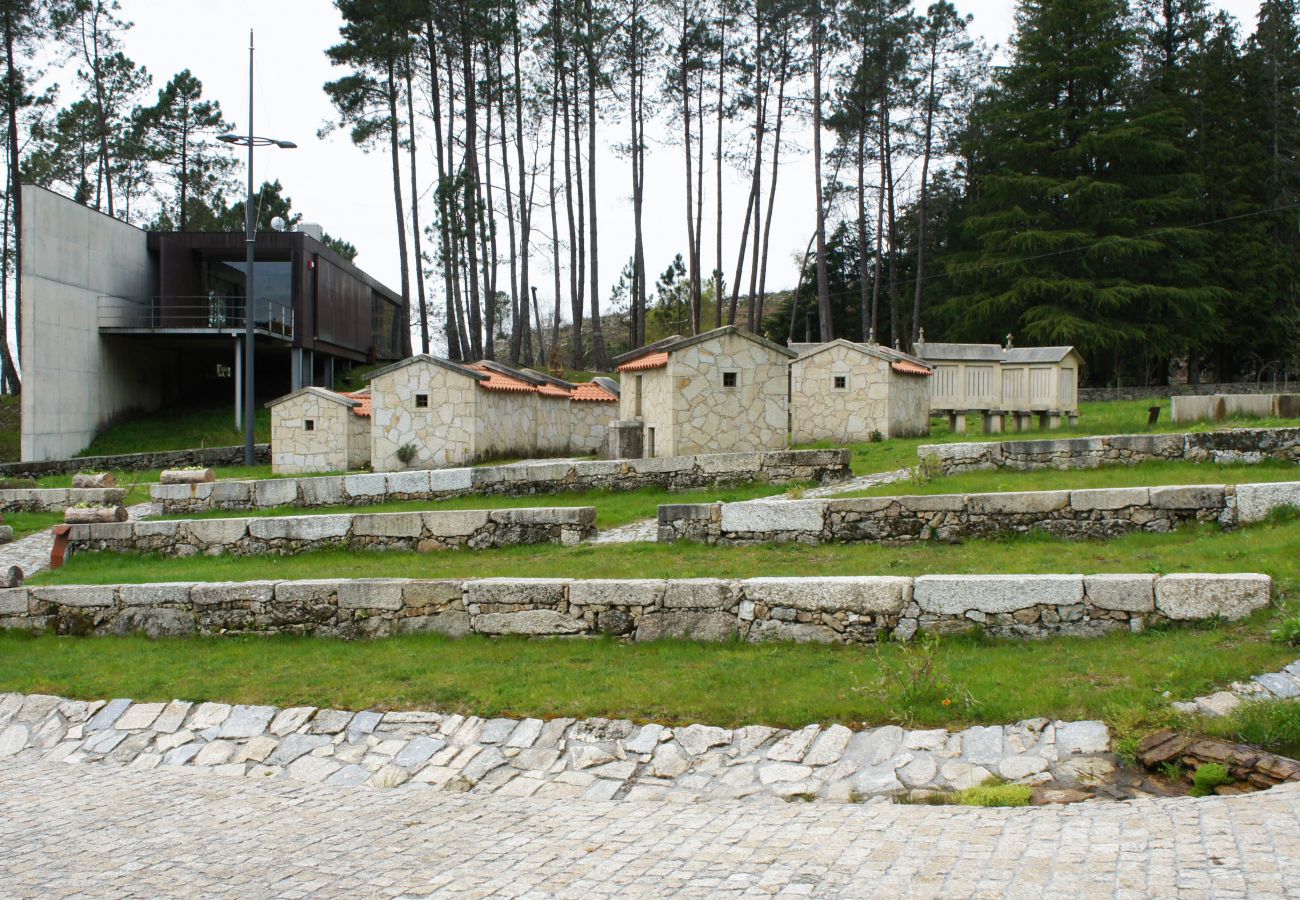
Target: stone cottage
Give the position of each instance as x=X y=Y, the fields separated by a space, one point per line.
x=316 y=430
x=723 y=391
x=845 y=391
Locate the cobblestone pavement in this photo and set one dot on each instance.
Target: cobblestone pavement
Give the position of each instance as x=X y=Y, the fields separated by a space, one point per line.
x=32 y=553
x=861 y=483
x=121 y=833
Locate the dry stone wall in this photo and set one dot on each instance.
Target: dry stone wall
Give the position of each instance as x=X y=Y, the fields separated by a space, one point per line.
x=672 y=473
x=136 y=462
x=475 y=529
x=1092 y=513
x=851 y=610
x=57 y=499
x=1236 y=445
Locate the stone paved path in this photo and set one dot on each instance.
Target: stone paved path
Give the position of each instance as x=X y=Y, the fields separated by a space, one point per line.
x=1283 y=685
x=32 y=553
x=120 y=833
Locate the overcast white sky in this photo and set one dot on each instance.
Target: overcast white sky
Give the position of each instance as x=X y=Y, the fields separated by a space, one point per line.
x=349 y=192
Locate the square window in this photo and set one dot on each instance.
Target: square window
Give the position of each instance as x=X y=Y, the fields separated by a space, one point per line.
x=421 y=401
x=730 y=379
x=841 y=382
x=309 y=424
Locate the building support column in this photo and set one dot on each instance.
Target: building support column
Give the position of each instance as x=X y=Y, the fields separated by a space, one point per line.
x=239 y=387
x=295 y=369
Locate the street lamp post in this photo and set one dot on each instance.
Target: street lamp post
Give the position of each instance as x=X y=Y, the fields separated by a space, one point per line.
x=250 y=237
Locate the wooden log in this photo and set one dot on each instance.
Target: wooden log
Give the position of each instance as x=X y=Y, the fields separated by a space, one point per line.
x=187 y=476
x=94 y=480
x=94 y=515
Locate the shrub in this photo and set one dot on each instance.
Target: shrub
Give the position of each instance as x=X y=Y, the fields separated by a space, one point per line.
x=925 y=471
x=1272 y=725
x=406 y=453
x=1287 y=631
x=875 y=437
x=1207 y=778
x=994 y=793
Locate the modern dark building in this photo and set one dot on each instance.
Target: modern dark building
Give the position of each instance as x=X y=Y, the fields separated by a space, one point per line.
x=118 y=320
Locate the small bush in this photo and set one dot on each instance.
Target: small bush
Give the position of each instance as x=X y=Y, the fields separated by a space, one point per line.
x=1287 y=631
x=925 y=471
x=406 y=453
x=875 y=437
x=1272 y=725
x=1207 y=778
x=992 y=793
x=797 y=492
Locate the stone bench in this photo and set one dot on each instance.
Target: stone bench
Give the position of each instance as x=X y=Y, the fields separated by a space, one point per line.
x=474 y=529
x=851 y=609
x=675 y=473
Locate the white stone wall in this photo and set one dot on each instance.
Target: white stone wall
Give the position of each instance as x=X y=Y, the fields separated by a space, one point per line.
x=708 y=418
x=358 y=441
x=657 y=411
x=443 y=434
x=909 y=405
x=554 y=429
x=589 y=420
x=326 y=448
x=820 y=411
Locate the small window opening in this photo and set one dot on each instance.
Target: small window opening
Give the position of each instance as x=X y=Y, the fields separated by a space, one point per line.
x=309 y=424
x=841 y=382
x=730 y=379
x=421 y=401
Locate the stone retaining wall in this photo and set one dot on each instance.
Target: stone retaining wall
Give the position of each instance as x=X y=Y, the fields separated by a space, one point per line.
x=1235 y=445
x=1092 y=513
x=476 y=529
x=829 y=610
x=137 y=462
x=57 y=499
x=1160 y=391
x=673 y=473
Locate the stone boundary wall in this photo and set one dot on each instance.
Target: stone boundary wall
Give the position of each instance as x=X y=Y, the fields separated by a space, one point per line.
x=1162 y=391
x=1092 y=513
x=137 y=462
x=475 y=529
x=586 y=759
x=57 y=499
x=1235 y=445
x=673 y=473
x=829 y=609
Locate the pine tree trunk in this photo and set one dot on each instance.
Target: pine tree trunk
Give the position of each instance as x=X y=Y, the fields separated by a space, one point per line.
x=864 y=302
x=488 y=234
x=554 y=205
x=771 y=188
x=575 y=300
x=684 y=85
x=525 y=212
x=394 y=141
x=452 y=328
x=415 y=216
x=922 y=204
x=599 y=358
x=471 y=200
x=823 y=281
x=13 y=96
x=515 y=325
x=580 y=270
x=722 y=89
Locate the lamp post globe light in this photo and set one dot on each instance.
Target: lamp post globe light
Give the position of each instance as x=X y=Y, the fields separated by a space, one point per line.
x=250 y=141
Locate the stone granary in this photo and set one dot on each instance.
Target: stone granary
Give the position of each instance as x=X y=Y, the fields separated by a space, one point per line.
x=315 y=430
x=999 y=381
x=724 y=391
x=845 y=391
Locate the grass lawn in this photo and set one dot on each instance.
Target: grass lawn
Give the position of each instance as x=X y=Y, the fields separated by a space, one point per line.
x=1140 y=475
x=613 y=508
x=1119 y=677
x=25 y=523
x=1108 y=417
x=1267 y=548
x=177 y=429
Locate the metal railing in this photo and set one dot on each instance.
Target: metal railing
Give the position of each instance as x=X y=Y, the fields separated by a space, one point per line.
x=212 y=313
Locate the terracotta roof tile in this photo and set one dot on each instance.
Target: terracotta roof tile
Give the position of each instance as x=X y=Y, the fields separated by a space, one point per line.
x=592 y=392
x=498 y=382
x=550 y=390
x=364 y=398
x=649 y=361
x=908 y=368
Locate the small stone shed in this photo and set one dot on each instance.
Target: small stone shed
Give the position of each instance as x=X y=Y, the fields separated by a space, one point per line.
x=316 y=430
x=593 y=405
x=723 y=391
x=845 y=391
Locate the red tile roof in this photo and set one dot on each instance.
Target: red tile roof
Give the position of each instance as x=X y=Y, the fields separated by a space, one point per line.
x=908 y=368
x=649 y=361
x=364 y=397
x=498 y=382
x=592 y=392
x=550 y=390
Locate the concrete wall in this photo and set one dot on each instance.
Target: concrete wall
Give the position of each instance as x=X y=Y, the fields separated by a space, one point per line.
x=909 y=410
x=862 y=609
x=1223 y=406
x=672 y=473
x=75 y=382
x=708 y=418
